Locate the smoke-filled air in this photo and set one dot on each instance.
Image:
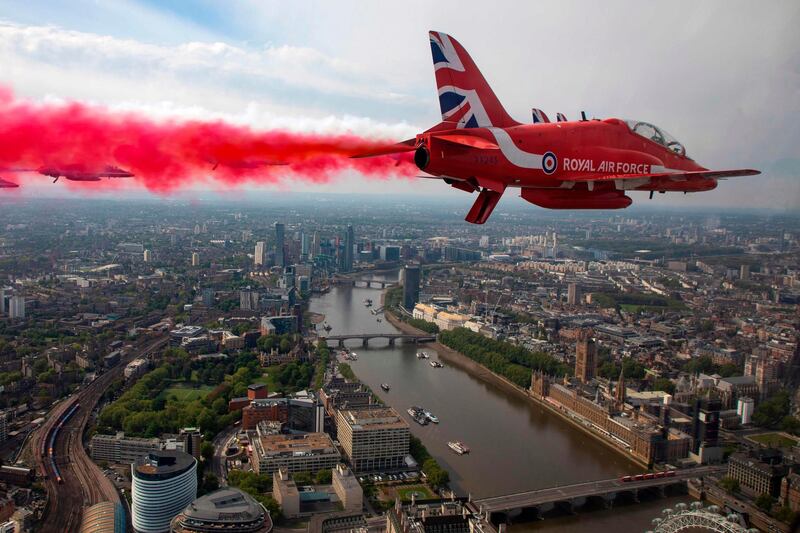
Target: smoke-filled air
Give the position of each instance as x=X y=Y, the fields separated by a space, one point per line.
x=169 y=155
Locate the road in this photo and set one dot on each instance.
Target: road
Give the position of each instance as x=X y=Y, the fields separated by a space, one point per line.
x=590 y=488
x=84 y=483
x=220 y=446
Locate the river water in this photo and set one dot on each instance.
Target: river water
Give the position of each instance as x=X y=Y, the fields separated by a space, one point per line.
x=515 y=445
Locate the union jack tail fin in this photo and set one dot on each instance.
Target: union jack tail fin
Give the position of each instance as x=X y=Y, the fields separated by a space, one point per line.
x=464 y=95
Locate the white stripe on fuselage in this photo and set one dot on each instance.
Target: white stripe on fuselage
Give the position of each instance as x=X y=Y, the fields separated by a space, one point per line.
x=516 y=156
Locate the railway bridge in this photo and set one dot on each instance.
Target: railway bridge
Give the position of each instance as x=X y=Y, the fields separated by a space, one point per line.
x=575 y=496
x=366 y=337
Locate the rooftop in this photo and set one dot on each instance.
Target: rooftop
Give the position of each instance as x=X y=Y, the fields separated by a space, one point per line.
x=163 y=464
x=226 y=509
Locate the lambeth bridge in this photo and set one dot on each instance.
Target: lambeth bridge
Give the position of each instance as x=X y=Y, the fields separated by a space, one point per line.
x=362 y=282
x=572 y=497
x=366 y=337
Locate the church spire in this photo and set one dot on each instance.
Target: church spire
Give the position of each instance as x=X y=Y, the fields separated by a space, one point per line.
x=619 y=392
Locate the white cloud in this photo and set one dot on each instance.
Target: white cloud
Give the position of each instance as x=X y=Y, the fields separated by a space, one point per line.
x=215 y=62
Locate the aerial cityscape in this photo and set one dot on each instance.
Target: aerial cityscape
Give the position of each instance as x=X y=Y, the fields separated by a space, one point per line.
x=242 y=289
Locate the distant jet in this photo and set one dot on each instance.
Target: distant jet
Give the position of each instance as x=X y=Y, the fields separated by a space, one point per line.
x=579 y=164
x=76 y=172
x=4 y=184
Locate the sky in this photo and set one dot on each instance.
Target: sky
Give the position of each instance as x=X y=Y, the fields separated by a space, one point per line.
x=721 y=76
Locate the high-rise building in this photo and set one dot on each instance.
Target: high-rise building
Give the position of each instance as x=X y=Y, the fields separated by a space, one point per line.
x=16 y=307
x=305 y=245
x=373 y=439
x=745 y=408
x=2 y=301
x=148 y=256
x=208 y=297
x=227 y=509
x=195 y=259
x=349 y=244
x=586 y=358
x=744 y=272
x=249 y=300
x=261 y=248
x=411 y=280
x=572 y=294
x=163 y=484
x=316 y=244
x=192 y=439
x=280 y=231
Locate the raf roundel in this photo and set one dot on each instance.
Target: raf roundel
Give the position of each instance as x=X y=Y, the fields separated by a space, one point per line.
x=549 y=162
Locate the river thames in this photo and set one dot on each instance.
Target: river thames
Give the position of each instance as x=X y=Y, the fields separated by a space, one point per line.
x=515 y=445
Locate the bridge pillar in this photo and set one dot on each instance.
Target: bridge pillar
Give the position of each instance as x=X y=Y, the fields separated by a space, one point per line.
x=608 y=500
x=391 y=341
x=341 y=343
x=369 y=284
x=662 y=491
x=636 y=495
x=365 y=342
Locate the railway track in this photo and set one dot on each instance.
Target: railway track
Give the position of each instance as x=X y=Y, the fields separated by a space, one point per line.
x=81 y=482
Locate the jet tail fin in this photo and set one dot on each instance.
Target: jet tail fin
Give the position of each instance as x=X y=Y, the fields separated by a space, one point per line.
x=464 y=95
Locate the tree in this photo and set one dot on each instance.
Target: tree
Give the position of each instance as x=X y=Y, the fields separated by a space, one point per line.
x=790 y=424
x=302 y=478
x=437 y=476
x=210 y=483
x=207 y=451
x=323 y=477
x=729 y=485
x=770 y=413
x=765 y=502
x=664 y=384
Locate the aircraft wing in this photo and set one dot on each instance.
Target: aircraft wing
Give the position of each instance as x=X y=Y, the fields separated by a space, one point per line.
x=678 y=175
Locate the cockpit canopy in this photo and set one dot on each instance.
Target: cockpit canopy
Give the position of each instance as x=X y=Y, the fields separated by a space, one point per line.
x=656 y=134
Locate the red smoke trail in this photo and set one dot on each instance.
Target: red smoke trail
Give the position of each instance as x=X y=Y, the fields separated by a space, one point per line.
x=168 y=155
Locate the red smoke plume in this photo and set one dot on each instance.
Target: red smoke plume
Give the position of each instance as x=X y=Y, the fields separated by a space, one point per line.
x=168 y=155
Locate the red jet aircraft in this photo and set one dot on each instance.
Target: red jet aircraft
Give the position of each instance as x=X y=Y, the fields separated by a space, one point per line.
x=73 y=173
x=585 y=164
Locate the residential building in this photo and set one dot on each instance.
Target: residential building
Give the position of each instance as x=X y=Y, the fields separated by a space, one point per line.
x=16 y=307
x=260 y=253
x=195 y=259
x=572 y=294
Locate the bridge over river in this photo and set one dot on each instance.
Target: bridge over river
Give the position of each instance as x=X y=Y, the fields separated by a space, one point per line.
x=366 y=337
x=576 y=495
